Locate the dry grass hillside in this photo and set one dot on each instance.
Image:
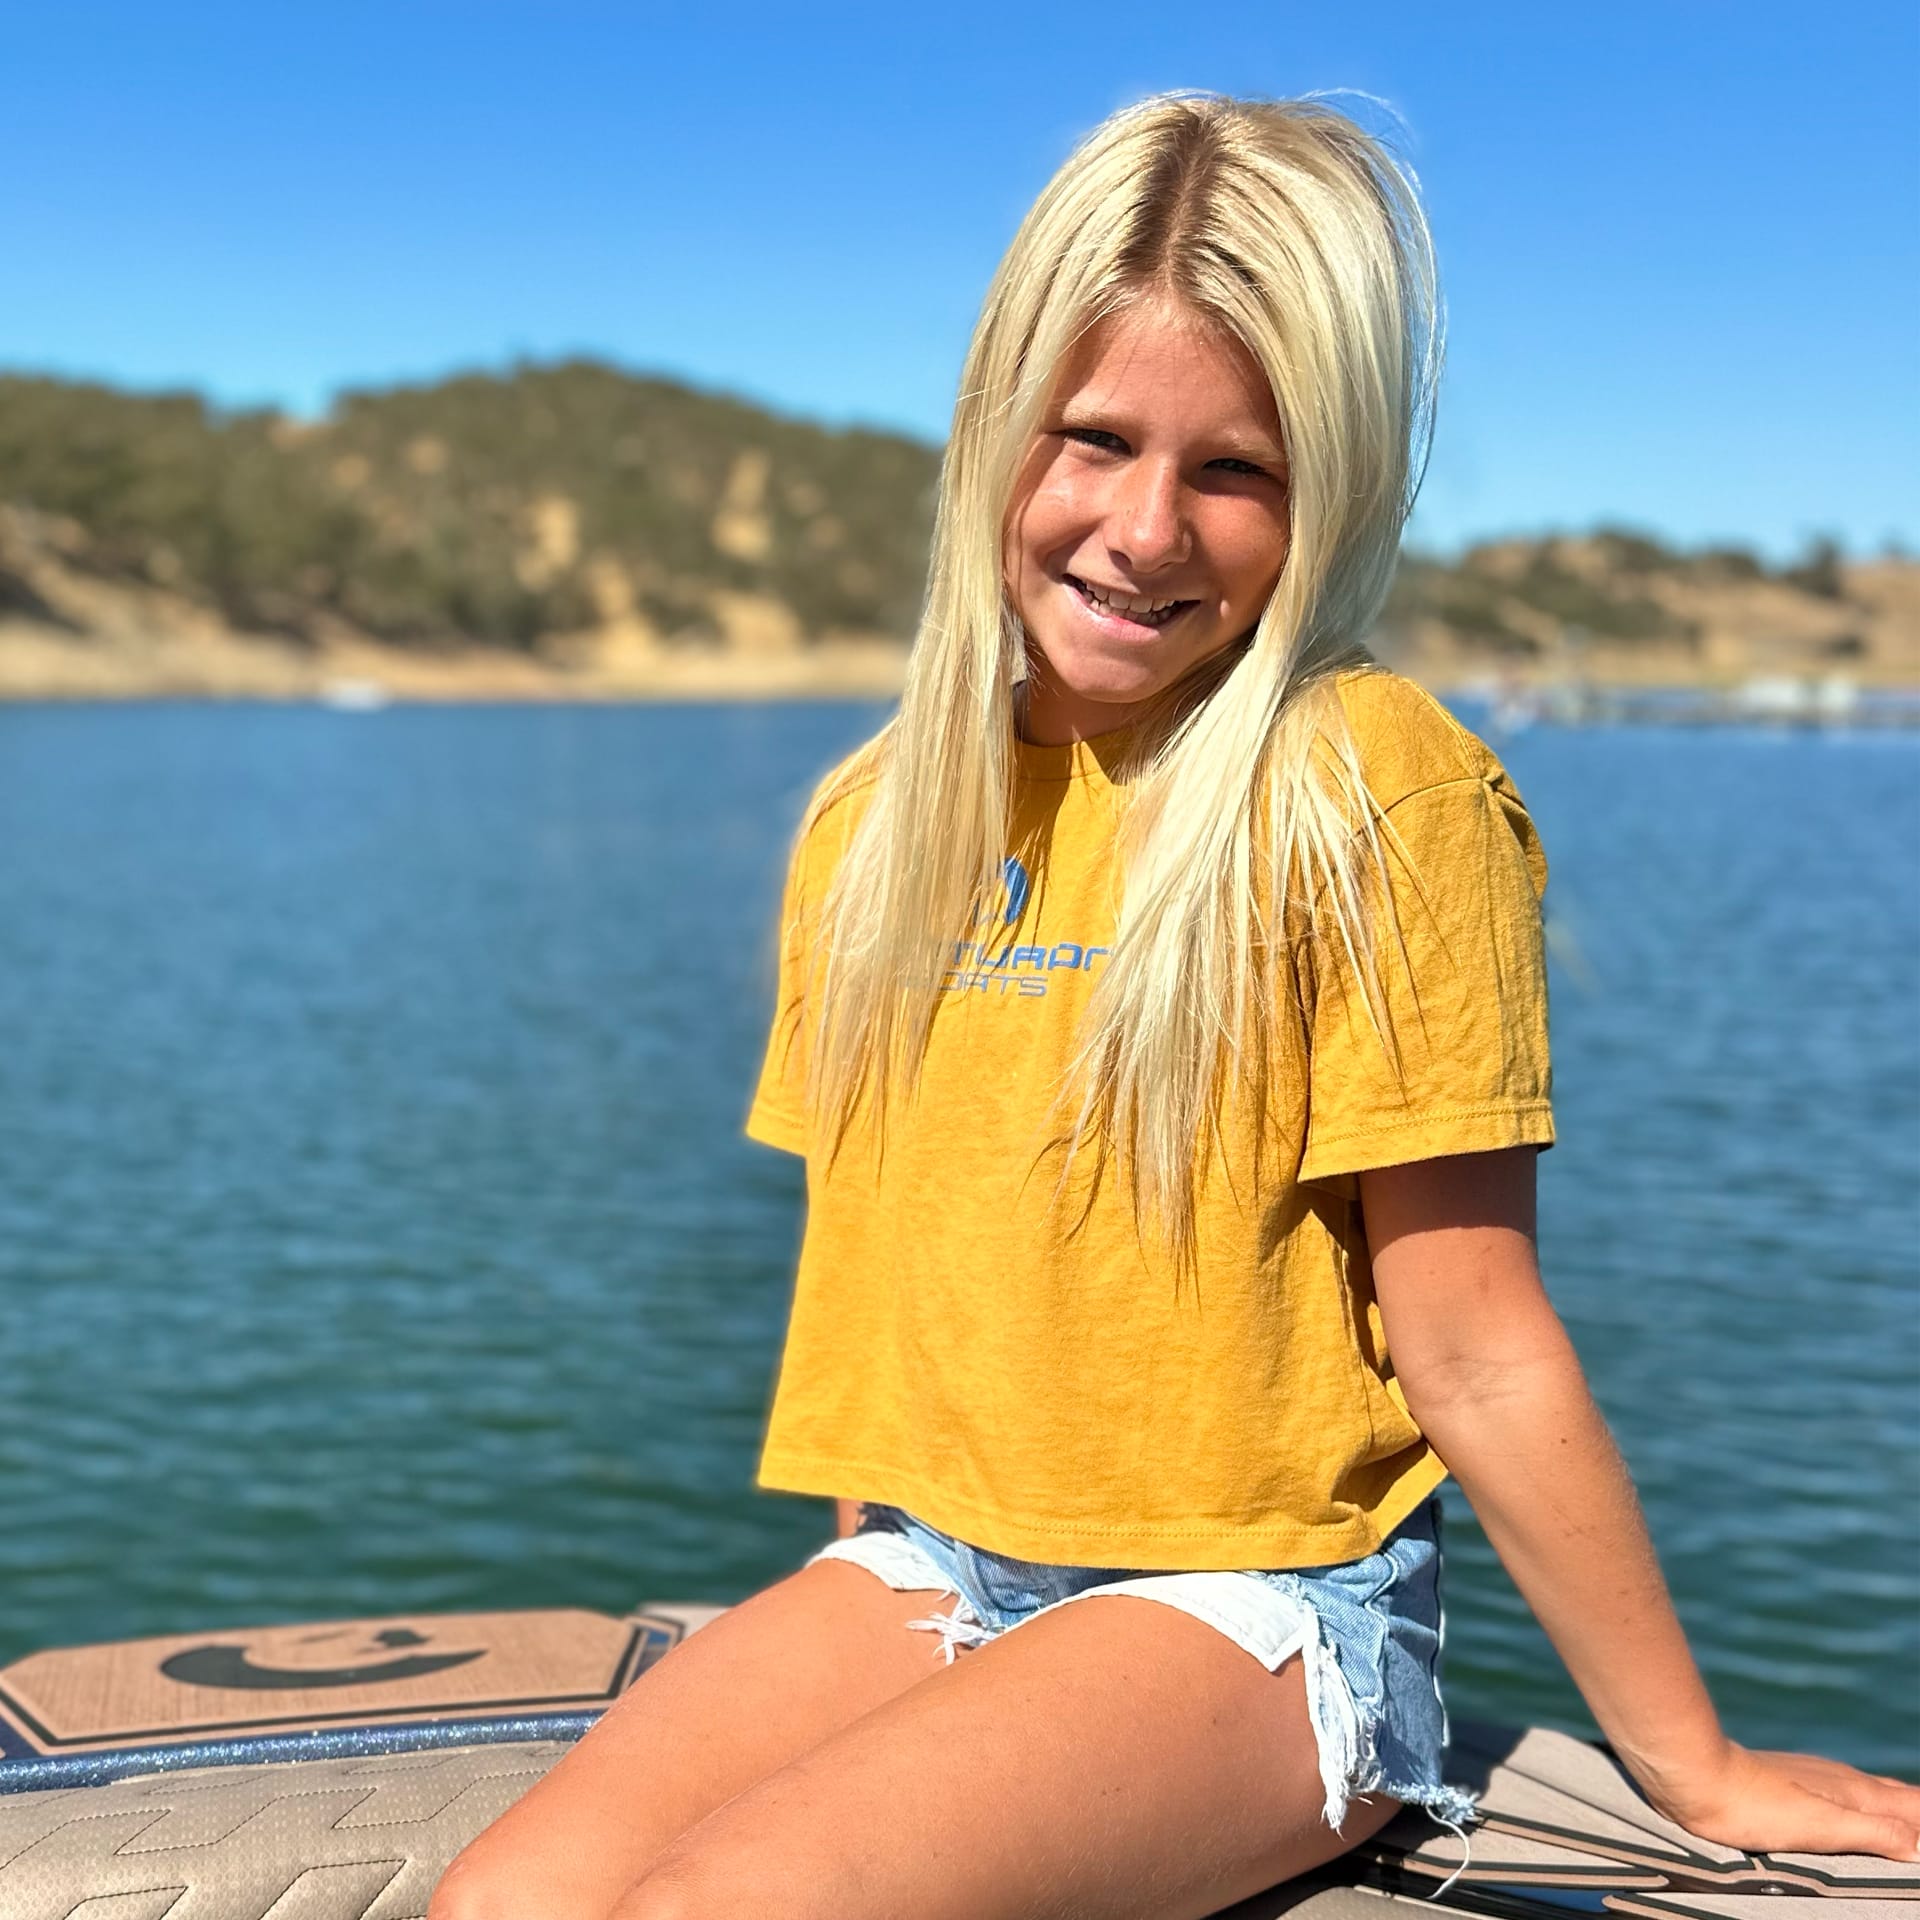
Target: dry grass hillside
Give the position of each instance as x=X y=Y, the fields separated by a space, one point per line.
x=574 y=530
x=1620 y=609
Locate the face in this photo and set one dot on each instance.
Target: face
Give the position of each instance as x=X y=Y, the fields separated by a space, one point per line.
x=1149 y=524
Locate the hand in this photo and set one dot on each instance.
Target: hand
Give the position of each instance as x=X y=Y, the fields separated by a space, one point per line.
x=1795 y=1803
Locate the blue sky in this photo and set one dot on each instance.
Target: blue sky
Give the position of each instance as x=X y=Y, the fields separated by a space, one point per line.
x=1681 y=242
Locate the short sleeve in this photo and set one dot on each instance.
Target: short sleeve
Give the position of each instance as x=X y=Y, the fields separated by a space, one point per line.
x=778 y=1114
x=1461 y=974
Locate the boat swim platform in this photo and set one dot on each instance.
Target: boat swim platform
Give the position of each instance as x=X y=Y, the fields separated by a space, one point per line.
x=331 y=1770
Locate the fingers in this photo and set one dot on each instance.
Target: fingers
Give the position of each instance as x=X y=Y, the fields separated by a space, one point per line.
x=1851 y=1829
x=1871 y=1793
x=1857 y=1812
x=1873 y=1833
x=1803 y=1803
x=1894 y=1798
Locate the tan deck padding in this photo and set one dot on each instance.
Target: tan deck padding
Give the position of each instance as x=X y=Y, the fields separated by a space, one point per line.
x=1756 y=1906
x=89 y=1699
x=1557 y=1813
x=366 y=1839
x=334 y=1839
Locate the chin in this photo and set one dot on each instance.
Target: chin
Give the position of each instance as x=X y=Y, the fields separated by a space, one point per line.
x=1121 y=682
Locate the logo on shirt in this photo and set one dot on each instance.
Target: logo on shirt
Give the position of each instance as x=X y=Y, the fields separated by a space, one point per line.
x=1021 y=971
x=1018 y=886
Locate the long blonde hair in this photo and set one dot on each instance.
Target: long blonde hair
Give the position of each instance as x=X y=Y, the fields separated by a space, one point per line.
x=1298 y=233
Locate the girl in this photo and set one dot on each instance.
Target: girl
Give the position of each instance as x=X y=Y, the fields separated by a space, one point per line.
x=1162 y=1019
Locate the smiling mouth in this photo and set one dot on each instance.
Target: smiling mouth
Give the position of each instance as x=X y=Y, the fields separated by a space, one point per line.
x=1121 y=610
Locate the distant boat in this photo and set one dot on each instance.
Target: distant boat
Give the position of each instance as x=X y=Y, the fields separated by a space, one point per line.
x=1775 y=702
x=354 y=696
x=1514 y=710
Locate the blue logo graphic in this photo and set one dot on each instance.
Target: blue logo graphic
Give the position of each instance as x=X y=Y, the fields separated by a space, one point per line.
x=1014 y=972
x=1017 y=888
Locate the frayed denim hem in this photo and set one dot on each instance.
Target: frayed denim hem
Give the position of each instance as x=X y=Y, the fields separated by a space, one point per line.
x=1345 y=1738
x=960 y=1627
x=1286 y=1622
x=1347 y=1742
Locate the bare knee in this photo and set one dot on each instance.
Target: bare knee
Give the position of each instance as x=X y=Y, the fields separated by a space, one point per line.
x=465 y=1891
x=489 y=1881
x=665 y=1895
x=704 y=1883
x=472 y=1888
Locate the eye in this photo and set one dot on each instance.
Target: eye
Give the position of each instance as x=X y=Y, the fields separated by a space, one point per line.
x=1095 y=437
x=1247 y=467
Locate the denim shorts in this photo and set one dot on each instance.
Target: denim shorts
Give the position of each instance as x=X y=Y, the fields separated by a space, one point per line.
x=1368 y=1633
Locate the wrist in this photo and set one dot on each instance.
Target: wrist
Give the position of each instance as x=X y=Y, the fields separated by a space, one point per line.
x=1681 y=1774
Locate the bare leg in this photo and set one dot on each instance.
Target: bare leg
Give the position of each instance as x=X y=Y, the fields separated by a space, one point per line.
x=1112 y=1760
x=765 y=1682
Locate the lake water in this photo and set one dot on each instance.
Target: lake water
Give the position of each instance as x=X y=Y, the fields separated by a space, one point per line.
x=376 y=1232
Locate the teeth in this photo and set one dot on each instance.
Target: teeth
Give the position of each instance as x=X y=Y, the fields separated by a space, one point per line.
x=1125 y=602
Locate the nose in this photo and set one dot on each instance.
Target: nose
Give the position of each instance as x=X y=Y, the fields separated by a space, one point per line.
x=1146 y=520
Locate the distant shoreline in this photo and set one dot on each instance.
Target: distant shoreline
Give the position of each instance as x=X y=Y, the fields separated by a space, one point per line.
x=40 y=664
x=43 y=665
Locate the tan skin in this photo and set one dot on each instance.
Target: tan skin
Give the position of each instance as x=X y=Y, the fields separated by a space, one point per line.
x=1161 y=472
x=810 y=1755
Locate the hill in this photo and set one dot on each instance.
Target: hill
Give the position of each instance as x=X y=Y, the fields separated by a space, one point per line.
x=576 y=529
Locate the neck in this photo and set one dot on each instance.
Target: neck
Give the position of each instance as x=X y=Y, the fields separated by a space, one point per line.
x=1046 y=716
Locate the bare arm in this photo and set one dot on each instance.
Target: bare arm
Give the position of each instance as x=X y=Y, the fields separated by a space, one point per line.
x=848 y=1517
x=1490 y=1375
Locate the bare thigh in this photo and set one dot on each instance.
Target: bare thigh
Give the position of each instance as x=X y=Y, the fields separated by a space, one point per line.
x=766 y=1681
x=1112 y=1760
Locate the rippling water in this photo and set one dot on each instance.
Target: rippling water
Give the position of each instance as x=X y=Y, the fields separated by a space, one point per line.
x=376 y=1233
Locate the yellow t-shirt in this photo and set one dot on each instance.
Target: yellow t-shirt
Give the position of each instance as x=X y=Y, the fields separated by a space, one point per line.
x=966 y=1345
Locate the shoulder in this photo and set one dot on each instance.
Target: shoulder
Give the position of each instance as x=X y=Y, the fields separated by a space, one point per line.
x=1416 y=757
x=838 y=803
x=1406 y=741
